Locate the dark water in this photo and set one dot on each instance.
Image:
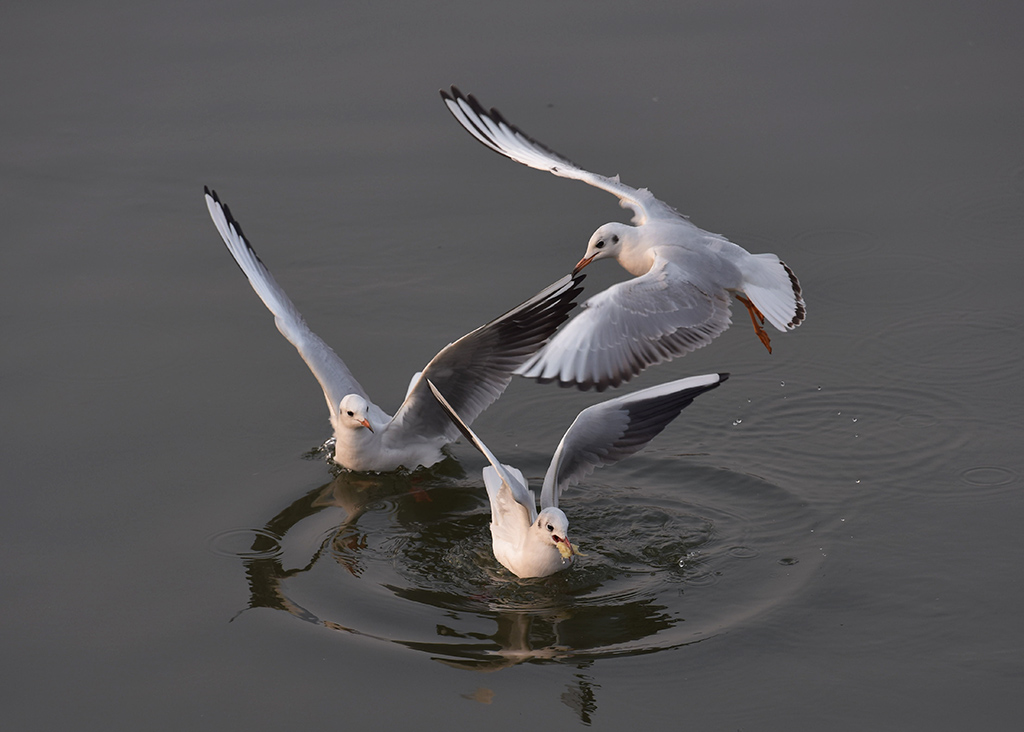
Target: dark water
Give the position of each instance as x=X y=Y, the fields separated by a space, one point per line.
x=829 y=541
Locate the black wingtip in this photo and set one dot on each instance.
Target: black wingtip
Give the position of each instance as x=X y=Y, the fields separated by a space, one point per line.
x=453 y=415
x=233 y=223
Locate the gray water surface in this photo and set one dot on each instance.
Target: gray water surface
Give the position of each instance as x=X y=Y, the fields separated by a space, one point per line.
x=830 y=540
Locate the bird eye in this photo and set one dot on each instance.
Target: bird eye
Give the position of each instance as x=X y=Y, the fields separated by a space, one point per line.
x=600 y=244
x=351 y=413
x=550 y=527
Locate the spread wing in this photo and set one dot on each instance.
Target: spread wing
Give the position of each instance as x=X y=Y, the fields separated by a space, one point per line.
x=500 y=135
x=473 y=371
x=632 y=325
x=609 y=431
x=332 y=373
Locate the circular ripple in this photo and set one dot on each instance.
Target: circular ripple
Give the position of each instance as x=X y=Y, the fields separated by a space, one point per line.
x=829 y=434
x=945 y=349
x=694 y=552
x=1018 y=176
x=995 y=216
x=830 y=242
x=988 y=476
x=883 y=278
x=245 y=544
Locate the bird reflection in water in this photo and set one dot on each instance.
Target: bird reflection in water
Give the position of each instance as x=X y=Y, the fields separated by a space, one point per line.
x=471 y=613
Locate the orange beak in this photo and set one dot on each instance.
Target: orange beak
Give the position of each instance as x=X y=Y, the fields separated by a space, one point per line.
x=583 y=263
x=366 y=424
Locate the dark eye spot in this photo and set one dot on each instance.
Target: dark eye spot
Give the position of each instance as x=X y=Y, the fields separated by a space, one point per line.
x=615 y=238
x=600 y=244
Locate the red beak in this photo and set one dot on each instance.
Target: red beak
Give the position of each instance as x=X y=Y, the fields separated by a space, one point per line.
x=583 y=263
x=366 y=424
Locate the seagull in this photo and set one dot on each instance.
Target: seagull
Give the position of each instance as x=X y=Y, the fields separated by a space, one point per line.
x=474 y=370
x=531 y=544
x=678 y=300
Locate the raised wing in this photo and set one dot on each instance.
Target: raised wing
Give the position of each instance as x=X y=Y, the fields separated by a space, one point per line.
x=510 y=478
x=607 y=432
x=332 y=373
x=632 y=325
x=500 y=135
x=473 y=371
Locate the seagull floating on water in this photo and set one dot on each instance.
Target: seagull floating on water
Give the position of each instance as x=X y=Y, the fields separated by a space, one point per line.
x=531 y=544
x=474 y=370
x=678 y=300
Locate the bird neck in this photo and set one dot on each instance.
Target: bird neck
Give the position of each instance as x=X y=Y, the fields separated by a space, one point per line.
x=633 y=257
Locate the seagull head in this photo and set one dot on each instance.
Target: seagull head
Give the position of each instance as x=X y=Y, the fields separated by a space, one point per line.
x=552 y=528
x=606 y=243
x=353 y=413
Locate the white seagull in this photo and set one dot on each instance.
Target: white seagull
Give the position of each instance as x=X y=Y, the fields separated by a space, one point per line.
x=473 y=370
x=678 y=300
x=531 y=544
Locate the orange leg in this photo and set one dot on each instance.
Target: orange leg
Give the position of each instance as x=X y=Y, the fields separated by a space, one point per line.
x=758 y=320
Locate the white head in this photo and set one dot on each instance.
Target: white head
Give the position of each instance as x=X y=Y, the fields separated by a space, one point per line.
x=552 y=527
x=606 y=243
x=353 y=413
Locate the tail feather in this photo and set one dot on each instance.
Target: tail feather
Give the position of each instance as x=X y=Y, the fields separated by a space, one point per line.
x=775 y=290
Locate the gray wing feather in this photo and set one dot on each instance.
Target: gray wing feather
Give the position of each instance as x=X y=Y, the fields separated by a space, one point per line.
x=607 y=432
x=473 y=371
x=632 y=325
x=503 y=137
x=332 y=373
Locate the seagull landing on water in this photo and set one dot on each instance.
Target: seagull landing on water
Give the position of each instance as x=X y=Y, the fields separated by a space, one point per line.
x=678 y=300
x=531 y=544
x=473 y=370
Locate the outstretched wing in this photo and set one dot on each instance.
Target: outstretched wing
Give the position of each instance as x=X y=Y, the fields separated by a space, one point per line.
x=510 y=479
x=632 y=325
x=473 y=371
x=332 y=373
x=607 y=432
x=500 y=135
